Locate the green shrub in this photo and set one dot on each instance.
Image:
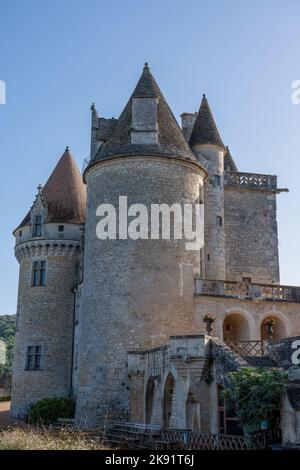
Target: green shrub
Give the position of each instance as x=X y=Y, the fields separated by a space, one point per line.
x=5 y=399
x=256 y=394
x=48 y=410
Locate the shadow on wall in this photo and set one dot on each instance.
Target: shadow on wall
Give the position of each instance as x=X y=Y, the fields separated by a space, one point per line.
x=235 y=328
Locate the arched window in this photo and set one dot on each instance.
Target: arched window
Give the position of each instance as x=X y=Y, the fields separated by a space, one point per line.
x=168 y=400
x=149 y=399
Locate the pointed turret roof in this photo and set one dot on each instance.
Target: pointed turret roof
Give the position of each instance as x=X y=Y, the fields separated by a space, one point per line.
x=171 y=141
x=64 y=194
x=205 y=130
x=229 y=164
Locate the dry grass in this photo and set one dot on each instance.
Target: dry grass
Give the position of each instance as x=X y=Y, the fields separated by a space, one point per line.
x=32 y=439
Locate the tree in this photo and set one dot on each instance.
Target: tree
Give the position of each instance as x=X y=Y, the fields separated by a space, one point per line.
x=7 y=335
x=256 y=395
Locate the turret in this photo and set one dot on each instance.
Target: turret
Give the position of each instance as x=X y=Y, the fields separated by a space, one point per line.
x=137 y=292
x=229 y=163
x=47 y=246
x=207 y=145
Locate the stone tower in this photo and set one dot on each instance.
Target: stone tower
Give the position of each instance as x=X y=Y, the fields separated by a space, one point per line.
x=47 y=243
x=136 y=292
x=208 y=147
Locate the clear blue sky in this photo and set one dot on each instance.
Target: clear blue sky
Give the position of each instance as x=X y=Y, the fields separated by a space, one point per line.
x=59 y=56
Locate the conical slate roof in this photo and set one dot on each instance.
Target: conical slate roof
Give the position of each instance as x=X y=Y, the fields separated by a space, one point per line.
x=171 y=141
x=64 y=194
x=229 y=164
x=205 y=130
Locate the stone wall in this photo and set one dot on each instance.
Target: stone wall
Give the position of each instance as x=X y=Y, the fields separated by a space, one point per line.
x=214 y=231
x=136 y=292
x=252 y=312
x=251 y=235
x=183 y=359
x=187 y=124
x=45 y=318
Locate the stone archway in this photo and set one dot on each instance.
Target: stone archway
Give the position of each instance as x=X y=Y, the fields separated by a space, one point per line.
x=279 y=328
x=192 y=410
x=149 y=400
x=168 y=400
x=236 y=328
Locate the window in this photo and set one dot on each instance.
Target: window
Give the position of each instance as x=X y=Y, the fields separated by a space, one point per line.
x=217 y=180
x=219 y=220
x=20 y=233
x=247 y=280
x=37 y=228
x=39 y=273
x=61 y=228
x=33 y=358
x=208 y=257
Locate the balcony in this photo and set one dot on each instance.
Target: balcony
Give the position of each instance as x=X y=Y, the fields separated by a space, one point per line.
x=243 y=290
x=250 y=180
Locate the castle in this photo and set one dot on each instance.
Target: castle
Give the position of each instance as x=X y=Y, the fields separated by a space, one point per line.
x=120 y=323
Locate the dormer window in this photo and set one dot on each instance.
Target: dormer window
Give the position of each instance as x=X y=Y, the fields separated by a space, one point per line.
x=144 y=128
x=37 y=228
x=61 y=228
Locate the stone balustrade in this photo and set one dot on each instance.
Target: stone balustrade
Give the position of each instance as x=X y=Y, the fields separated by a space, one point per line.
x=250 y=180
x=243 y=290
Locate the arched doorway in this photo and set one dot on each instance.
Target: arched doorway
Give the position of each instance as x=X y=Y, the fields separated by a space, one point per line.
x=149 y=399
x=168 y=400
x=235 y=328
x=192 y=409
x=279 y=328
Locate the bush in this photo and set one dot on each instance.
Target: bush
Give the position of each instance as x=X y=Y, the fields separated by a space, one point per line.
x=256 y=395
x=48 y=410
x=5 y=399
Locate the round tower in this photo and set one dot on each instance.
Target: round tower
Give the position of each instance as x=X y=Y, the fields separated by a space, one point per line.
x=137 y=292
x=206 y=142
x=47 y=244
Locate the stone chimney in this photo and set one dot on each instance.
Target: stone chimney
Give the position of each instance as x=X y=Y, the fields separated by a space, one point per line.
x=187 y=124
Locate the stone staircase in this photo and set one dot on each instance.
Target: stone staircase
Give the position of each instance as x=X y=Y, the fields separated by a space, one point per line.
x=260 y=361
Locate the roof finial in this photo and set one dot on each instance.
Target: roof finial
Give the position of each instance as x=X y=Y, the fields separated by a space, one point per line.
x=39 y=188
x=204 y=96
x=67 y=148
x=93 y=107
x=146 y=66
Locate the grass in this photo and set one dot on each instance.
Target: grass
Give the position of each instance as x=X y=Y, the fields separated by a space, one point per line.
x=32 y=439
